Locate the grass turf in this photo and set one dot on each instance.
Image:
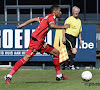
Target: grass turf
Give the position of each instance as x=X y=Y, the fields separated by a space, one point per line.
x=45 y=80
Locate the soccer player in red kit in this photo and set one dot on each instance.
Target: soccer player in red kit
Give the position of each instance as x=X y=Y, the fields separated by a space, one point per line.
x=37 y=42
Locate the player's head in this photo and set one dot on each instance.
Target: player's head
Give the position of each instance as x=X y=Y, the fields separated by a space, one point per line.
x=56 y=10
x=75 y=11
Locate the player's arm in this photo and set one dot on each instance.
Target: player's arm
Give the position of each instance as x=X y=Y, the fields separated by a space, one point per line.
x=28 y=22
x=53 y=25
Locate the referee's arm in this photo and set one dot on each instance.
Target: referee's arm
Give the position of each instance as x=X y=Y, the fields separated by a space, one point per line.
x=63 y=39
x=63 y=31
x=80 y=38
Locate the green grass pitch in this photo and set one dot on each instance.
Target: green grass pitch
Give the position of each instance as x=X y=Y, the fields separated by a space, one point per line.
x=45 y=80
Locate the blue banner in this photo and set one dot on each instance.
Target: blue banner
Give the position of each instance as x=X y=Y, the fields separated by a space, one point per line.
x=87 y=52
x=14 y=43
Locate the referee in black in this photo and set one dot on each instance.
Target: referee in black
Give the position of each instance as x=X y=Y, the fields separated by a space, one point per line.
x=70 y=35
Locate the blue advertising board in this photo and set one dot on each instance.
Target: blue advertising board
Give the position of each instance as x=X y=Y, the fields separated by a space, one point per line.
x=87 y=52
x=14 y=43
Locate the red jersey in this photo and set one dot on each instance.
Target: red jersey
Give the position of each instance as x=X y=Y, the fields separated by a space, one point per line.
x=43 y=27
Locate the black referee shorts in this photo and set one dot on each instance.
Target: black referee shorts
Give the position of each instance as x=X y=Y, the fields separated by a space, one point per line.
x=70 y=41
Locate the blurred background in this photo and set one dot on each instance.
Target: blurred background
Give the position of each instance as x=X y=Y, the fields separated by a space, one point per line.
x=90 y=10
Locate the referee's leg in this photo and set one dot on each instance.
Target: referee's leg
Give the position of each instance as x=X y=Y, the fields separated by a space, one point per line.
x=72 y=57
x=66 y=63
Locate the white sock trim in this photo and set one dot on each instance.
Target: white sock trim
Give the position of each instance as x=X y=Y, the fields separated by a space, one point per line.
x=59 y=76
x=9 y=76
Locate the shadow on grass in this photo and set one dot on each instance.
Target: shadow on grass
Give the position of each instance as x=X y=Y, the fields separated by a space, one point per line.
x=45 y=82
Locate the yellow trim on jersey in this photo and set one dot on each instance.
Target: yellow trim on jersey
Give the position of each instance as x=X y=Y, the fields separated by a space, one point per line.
x=75 y=26
x=69 y=42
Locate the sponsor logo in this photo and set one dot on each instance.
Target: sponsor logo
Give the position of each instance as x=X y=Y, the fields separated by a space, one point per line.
x=85 y=45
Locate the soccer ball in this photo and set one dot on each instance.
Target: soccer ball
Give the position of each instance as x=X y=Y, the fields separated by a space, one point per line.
x=86 y=76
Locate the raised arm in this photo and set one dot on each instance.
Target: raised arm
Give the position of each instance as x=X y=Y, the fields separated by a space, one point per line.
x=28 y=22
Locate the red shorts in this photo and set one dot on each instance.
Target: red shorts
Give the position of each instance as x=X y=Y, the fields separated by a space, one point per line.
x=35 y=45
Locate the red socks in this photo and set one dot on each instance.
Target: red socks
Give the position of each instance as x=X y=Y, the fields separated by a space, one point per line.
x=17 y=65
x=57 y=64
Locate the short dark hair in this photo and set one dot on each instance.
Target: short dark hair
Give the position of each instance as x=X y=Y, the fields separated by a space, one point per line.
x=53 y=7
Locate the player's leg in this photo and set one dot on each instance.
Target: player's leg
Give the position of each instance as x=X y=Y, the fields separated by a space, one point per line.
x=29 y=54
x=56 y=63
x=19 y=63
x=51 y=50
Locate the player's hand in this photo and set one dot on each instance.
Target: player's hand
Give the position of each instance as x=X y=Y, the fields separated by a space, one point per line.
x=19 y=26
x=66 y=26
x=80 y=42
x=64 y=40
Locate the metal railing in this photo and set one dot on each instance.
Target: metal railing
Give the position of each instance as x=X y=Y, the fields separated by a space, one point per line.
x=18 y=7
